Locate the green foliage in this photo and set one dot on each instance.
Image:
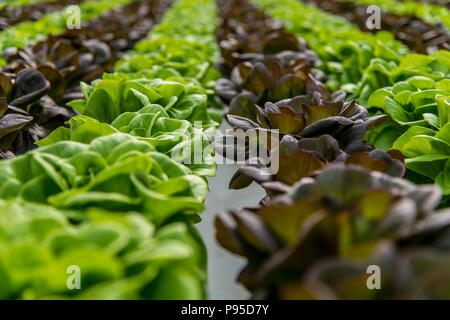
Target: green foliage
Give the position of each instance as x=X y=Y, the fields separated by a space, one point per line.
x=119 y=256
x=425 y=69
x=419 y=110
x=110 y=192
x=115 y=94
x=179 y=49
x=177 y=139
x=117 y=172
x=168 y=58
x=178 y=22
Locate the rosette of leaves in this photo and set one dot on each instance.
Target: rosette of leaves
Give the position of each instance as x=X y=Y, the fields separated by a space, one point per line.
x=416 y=101
x=177 y=139
x=164 y=57
x=167 y=58
x=380 y=74
x=257 y=83
x=117 y=172
x=64 y=62
x=313 y=115
x=301 y=158
x=343 y=212
x=325 y=125
x=427 y=154
x=12 y=120
x=419 y=111
x=115 y=94
x=420 y=273
x=260 y=40
x=26 y=117
x=415 y=267
x=119 y=256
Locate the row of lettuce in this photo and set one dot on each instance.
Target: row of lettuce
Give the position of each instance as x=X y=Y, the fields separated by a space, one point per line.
x=116 y=194
x=39 y=80
x=337 y=209
x=417 y=34
x=379 y=72
x=22 y=34
x=118 y=190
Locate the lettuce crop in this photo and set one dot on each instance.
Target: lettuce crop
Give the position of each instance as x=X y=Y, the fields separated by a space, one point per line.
x=119 y=256
x=108 y=191
x=177 y=139
x=85 y=54
x=344 y=50
x=114 y=172
x=176 y=57
x=317 y=128
x=47 y=75
x=419 y=110
x=178 y=49
x=115 y=94
x=381 y=76
x=425 y=269
x=343 y=212
x=22 y=34
x=303 y=158
x=26 y=114
x=313 y=115
x=417 y=34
